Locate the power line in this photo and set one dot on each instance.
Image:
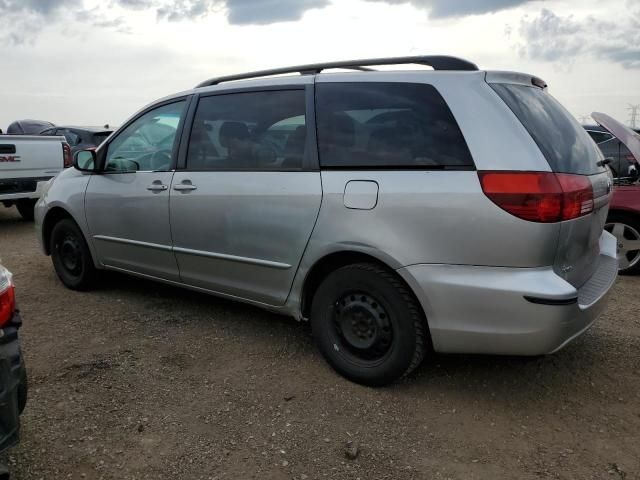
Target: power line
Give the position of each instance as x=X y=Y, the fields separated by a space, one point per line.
x=634 y=111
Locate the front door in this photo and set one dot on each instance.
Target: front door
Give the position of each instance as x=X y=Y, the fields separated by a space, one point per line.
x=127 y=205
x=244 y=207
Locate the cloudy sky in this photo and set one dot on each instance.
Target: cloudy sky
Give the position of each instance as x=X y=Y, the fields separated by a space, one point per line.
x=94 y=62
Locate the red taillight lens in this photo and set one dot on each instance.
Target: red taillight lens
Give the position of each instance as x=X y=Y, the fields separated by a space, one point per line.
x=539 y=196
x=66 y=155
x=7 y=297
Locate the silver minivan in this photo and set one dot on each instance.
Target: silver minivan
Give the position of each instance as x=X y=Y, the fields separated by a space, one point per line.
x=401 y=212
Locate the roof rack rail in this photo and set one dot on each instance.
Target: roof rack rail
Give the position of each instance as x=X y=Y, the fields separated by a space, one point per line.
x=437 y=62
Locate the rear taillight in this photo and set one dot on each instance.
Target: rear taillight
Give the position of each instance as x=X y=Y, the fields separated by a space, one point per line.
x=66 y=155
x=539 y=196
x=7 y=297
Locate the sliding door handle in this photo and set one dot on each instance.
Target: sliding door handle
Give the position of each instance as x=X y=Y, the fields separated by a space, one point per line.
x=184 y=187
x=157 y=187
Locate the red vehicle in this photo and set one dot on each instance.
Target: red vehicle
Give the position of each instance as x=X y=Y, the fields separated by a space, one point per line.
x=624 y=222
x=624 y=210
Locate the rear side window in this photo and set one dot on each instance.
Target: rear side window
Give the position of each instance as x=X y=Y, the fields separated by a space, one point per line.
x=249 y=131
x=387 y=125
x=561 y=139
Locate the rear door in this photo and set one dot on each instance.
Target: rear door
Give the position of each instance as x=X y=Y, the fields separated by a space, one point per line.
x=246 y=200
x=568 y=150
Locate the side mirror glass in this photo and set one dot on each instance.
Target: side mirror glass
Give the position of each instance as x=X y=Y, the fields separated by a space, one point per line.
x=85 y=161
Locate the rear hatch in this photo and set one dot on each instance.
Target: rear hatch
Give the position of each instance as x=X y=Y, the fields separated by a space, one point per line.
x=576 y=162
x=30 y=157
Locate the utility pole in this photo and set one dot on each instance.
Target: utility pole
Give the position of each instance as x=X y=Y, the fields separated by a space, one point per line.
x=634 y=111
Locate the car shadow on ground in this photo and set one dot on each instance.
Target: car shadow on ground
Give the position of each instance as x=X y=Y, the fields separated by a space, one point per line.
x=509 y=378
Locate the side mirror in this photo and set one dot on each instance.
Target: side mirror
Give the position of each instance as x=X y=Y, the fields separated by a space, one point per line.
x=85 y=161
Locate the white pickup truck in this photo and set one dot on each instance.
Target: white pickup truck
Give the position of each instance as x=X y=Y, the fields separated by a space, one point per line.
x=26 y=165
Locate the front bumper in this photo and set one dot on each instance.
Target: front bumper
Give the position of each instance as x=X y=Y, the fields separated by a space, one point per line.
x=12 y=383
x=476 y=309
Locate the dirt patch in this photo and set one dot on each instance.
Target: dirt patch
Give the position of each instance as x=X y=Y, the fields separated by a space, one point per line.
x=137 y=380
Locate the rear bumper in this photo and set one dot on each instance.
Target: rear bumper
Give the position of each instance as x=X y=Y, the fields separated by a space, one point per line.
x=12 y=381
x=19 y=188
x=475 y=309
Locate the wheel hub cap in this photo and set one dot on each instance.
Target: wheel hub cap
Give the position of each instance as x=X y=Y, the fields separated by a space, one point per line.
x=628 y=243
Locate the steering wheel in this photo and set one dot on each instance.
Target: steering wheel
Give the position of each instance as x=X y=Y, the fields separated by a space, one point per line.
x=160 y=160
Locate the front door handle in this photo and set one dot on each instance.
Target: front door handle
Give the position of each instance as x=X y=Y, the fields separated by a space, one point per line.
x=157 y=187
x=185 y=186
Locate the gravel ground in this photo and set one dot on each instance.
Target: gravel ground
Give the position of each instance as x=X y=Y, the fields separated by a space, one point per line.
x=137 y=380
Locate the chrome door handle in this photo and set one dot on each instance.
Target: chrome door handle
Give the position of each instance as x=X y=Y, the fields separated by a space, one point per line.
x=184 y=187
x=157 y=187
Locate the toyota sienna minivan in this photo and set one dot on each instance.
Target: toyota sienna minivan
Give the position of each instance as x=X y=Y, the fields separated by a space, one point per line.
x=400 y=212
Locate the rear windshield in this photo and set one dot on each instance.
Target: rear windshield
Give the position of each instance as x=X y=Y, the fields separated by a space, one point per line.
x=561 y=139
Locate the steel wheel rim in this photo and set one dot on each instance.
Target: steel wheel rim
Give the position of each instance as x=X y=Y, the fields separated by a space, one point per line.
x=362 y=326
x=628 y=243
x=71 y=254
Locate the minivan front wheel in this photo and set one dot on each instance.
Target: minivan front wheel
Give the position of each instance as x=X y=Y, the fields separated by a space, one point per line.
x=71 y=256
x=368 y=325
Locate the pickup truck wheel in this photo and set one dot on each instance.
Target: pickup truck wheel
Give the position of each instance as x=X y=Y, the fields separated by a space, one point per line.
x=626 y=229
x=71 y=256
x=368 y=325
x=26 y=208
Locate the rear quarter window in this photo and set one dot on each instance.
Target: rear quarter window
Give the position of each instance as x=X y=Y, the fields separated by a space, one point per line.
x=387 y=125
x=561 y=139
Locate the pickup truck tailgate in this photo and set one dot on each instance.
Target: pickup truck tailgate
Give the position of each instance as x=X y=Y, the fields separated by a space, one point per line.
x=26 y=156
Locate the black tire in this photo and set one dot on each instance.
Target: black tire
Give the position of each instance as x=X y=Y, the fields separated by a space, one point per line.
x=368 y=325
x=23 y=390
x=26 y=207
x=71 y=256
x=632 y=229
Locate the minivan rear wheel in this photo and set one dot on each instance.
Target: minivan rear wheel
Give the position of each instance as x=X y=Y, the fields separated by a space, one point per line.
x=368 y=325
x=71 y=256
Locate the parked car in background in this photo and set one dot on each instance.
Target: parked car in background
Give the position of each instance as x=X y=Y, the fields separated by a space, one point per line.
x=611 y=147
x=80 y=138
x=380 y=205
x=623 y=220
x=13 y=374
x=27 y=163
x=28 y=127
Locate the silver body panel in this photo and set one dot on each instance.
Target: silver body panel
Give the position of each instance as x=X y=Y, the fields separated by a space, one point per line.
x=129 y=224
x=255 y=236
x=243 y=233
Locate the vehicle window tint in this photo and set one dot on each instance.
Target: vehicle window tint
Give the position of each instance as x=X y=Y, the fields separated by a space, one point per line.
x=561 y=139
x=98 y=138
x=599 y=137
x=148 y=143
x=71 y=137
x=389 y=125
x=249 y=131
